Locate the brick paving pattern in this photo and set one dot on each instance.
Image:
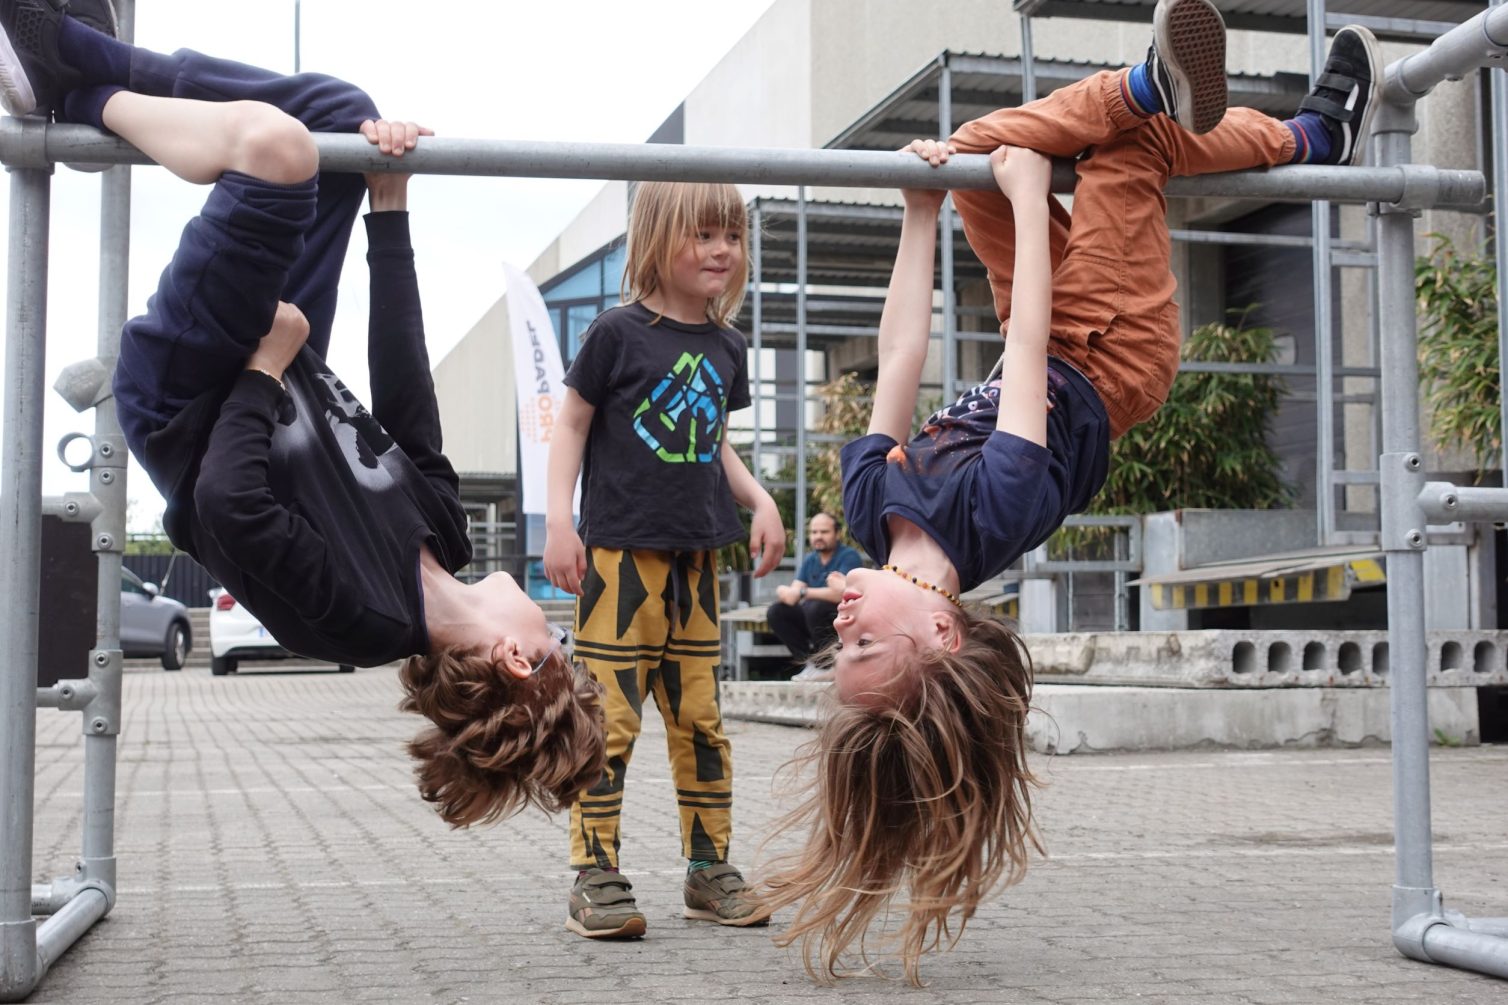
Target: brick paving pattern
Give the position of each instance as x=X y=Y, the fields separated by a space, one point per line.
x=272 y=850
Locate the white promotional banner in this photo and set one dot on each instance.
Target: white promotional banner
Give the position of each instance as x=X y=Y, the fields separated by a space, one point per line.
x=538 y=373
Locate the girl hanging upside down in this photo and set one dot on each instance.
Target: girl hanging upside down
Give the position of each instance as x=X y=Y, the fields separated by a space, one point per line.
x=922 y=794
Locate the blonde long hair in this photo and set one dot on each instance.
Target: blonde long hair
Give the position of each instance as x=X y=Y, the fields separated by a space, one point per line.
x=927 y=798
x=665 y=215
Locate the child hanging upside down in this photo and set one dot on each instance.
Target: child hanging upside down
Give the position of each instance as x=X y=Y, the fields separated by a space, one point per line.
x=922 y=790
x=340 y=529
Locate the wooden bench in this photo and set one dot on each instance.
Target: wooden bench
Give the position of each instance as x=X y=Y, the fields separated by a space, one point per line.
x=739 y=628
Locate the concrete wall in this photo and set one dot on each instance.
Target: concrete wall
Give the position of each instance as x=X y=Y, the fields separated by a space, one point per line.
x=474 y=383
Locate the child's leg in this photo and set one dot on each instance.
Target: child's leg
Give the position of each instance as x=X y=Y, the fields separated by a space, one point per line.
x=1113 y=312
x=217 y=297
x=1066 y=122
x=686 y=692
x=621 y=629
x=322 y=103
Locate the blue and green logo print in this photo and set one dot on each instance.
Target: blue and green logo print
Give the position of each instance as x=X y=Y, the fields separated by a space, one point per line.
x=682 y=419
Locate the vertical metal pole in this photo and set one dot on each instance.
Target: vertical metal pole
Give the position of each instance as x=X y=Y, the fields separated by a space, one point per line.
x=20 y=567
x=945 y=239
x=298 y=41
x=108 y=484
x=1028 y=63
x=101 y=719
x=756 y=243
x=1500 y=238
x=801 y=398
x=1324 y=343
x=1402 y=519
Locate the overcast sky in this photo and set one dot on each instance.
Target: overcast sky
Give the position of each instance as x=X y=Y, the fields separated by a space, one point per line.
x=591 y=70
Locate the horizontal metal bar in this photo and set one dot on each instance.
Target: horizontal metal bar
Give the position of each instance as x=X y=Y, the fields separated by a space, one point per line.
x=1263 y=240
x=68 y=695
x=1442 y=501
x=1271 y=369
x=1468 y=950
x=768 y=328
x=63 y=929
x=1466 y=47
x=32 y=145
x=44 y=900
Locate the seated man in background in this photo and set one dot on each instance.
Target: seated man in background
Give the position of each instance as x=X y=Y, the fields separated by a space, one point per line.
x=802 y=615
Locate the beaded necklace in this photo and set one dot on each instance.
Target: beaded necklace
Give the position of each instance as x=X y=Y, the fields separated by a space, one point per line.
x=945 y=594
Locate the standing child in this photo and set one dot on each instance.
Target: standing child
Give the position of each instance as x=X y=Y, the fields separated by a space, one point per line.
x=339 y=528
x=646 y=409
x=922 y=784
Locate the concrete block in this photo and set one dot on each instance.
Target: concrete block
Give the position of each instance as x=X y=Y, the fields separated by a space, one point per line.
x=1224 y=658
x=1067 y=719
x=1076 y=718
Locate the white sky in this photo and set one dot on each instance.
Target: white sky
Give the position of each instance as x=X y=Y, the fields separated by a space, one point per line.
x=590 y=70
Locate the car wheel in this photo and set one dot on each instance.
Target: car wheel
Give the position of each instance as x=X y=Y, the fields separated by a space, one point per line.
x=175 y=648
x=222 y=665
x=347 y=668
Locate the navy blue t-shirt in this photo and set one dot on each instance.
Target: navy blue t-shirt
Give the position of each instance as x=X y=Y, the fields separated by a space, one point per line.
x=984 y=496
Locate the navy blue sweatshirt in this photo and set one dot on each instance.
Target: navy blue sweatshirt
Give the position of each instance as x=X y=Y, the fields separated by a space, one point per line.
x=308 y=508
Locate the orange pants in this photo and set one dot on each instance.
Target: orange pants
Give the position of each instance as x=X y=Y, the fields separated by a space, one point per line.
x=1113 y=313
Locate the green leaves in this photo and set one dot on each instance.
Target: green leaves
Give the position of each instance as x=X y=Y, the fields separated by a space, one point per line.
x=1458 y=350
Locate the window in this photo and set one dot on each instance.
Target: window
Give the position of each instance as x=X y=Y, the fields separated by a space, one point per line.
x=576 y=298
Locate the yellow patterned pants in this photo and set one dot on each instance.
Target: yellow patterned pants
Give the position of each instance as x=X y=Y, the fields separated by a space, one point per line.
x=646 y=624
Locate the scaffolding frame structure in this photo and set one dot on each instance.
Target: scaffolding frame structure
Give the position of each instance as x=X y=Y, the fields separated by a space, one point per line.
x=1422 y=928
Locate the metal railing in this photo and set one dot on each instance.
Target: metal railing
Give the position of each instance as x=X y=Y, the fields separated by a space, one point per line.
x=1422 y=928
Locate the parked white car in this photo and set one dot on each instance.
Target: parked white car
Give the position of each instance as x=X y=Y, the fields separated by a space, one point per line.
x=151 y=624
x=235 y=634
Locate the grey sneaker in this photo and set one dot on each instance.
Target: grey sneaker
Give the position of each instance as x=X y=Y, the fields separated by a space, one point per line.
x=718 y=893
x=33 y=77
x=1187 y=63
x=602 y=906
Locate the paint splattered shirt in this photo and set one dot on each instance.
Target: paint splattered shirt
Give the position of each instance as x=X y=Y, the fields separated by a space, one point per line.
x=984 y=496
x=652 y=473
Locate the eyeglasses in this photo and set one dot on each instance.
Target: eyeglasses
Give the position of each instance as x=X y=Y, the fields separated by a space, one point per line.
x=558 y=635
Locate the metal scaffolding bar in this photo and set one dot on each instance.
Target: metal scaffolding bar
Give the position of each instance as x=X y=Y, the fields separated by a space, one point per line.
x=1420 y=184
x=802 y=388
x=945 y=240
x=756 y=295
x=1324 y=324
x=20 y=569
x=1499 y=134
x=1421 y=929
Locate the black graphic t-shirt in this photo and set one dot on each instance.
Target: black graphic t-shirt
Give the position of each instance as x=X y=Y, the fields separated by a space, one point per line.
x=652 y=474
x=307 y=507
x=984 y=496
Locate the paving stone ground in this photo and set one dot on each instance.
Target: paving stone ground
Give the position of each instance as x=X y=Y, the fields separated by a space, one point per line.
x=272 y=850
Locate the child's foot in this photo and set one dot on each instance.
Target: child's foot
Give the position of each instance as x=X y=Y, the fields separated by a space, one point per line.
x=1335 y=120
x=716 y=892
x=33 y=76
x=602 y=906
x=1186 y=63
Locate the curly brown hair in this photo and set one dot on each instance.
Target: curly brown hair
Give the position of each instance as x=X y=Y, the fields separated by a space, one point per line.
x=926 y=795
x=499 y=743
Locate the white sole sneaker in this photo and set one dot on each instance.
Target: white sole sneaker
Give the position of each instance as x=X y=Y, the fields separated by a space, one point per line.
x=1189 y=63
x=16 y=93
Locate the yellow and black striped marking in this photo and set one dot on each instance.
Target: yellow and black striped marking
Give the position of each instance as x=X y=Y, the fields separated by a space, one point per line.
x=1332 y=583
